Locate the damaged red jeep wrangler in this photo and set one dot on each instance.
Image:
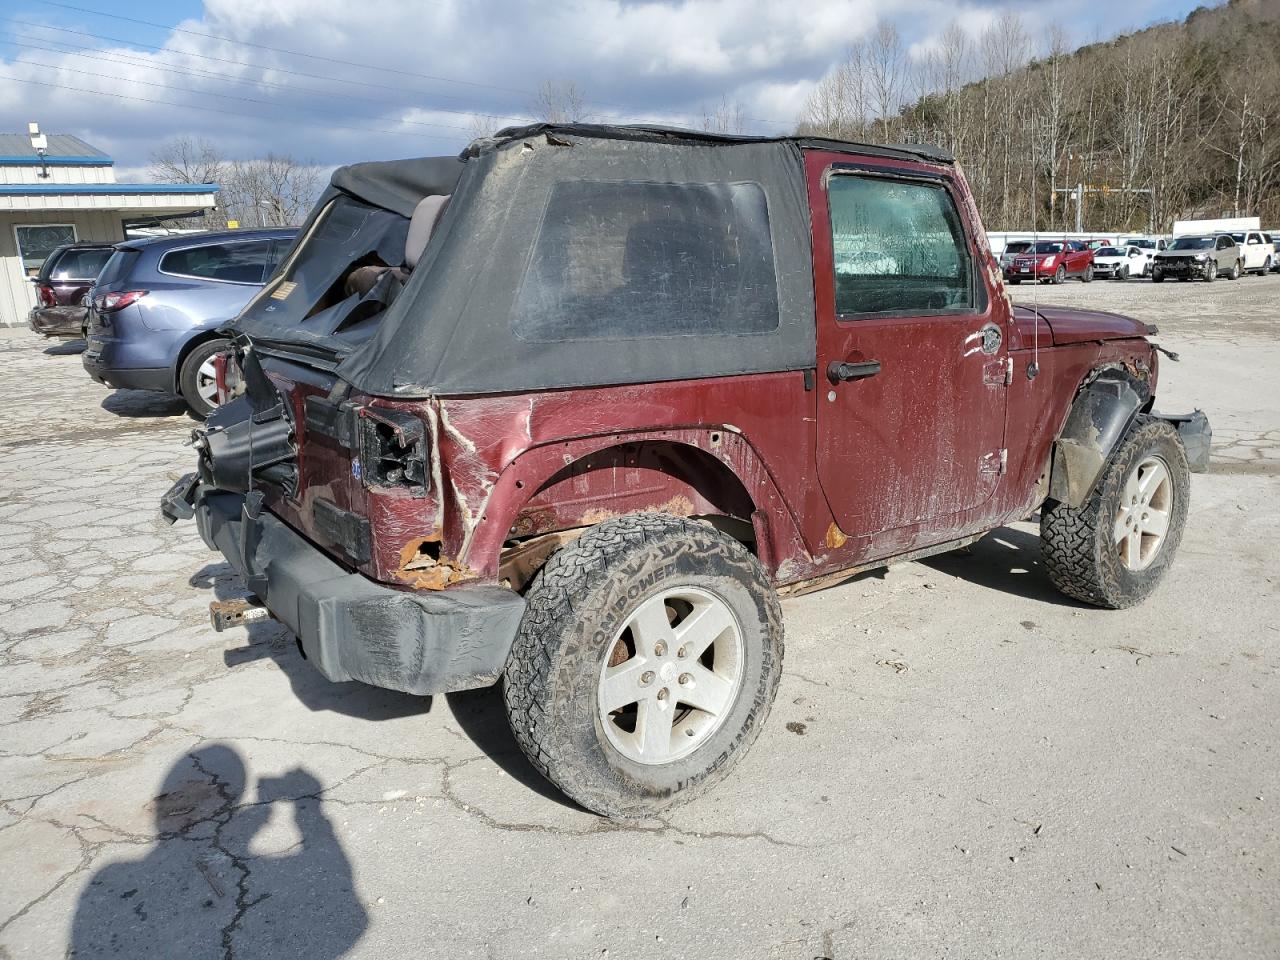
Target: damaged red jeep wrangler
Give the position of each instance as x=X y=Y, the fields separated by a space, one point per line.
x=572 y=410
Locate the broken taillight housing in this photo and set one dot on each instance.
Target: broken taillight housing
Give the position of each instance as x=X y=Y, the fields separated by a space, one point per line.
x=111 y=302
x=47 y=297
x=393 y=450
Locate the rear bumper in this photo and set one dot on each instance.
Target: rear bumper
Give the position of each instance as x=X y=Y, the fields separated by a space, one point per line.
x=57 y=321
x=351 y=628
x=98 y=362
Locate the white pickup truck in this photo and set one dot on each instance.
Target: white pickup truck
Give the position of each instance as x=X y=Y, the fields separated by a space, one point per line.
x=1258 y=253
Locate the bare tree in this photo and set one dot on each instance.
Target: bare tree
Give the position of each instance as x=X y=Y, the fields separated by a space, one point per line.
x=187 y=160
x=884 y=57
x=837 y=107
x=274 y=191
x=561 y=101
x=725 y=117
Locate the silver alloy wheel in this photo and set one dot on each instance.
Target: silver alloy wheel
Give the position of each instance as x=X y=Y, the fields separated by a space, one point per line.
x=207 y=382
x=670 y=676
x=1142 y=521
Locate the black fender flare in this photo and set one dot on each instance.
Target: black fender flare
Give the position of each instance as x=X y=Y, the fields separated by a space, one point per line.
x=1101 y=415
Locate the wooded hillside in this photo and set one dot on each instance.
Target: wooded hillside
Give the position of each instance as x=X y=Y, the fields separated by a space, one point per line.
x=1188 y=111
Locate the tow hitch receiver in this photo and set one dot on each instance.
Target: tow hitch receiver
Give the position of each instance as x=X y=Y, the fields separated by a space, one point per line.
x=226 y=614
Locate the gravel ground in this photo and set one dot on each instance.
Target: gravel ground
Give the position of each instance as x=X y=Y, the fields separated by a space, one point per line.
x=960 y=763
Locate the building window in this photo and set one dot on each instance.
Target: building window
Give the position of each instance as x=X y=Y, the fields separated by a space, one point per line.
x=37 y=241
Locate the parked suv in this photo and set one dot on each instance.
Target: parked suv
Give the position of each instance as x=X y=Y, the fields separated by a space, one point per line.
x=1257 y=253
x=61 y=288
x=1205 y=258
x=1052 y=260
x=156 y=308
x=574 y=411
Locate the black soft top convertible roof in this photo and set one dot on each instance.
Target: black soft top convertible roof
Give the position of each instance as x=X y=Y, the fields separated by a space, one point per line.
x=693 y=250
x=897 y=151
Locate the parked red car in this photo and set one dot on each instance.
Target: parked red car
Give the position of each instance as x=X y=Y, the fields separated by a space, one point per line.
x=1052 y=260
x=573 y=411
x=61 y=285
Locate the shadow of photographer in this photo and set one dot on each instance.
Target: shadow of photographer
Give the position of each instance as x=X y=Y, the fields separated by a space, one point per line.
x=198 y=892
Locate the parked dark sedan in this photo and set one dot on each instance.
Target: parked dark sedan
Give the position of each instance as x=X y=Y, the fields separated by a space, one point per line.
x=158 y=303
x=61 y=286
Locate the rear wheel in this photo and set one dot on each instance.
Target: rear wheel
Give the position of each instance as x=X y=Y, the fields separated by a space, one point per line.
x=1115 y=549
x=645 y=665
x=1087 y=276
x=1235 y=271
x=197 y=379
x=1014 y=281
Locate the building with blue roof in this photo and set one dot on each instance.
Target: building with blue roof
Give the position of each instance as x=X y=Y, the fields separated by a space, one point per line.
x=64 y=192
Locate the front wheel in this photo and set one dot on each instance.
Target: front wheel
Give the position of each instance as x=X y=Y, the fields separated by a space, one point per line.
x=197 y=379
x=1114 y=550
x=1157 y=276
x=645 y=665
x=1060 y=276
x=1211 y=271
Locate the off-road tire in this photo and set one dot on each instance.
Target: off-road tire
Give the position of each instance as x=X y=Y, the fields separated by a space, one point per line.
x=187 y=386
x=1076 y=544
x=576 y=605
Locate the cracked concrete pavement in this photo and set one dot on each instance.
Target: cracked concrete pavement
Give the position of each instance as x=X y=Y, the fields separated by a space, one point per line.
x=960 y=761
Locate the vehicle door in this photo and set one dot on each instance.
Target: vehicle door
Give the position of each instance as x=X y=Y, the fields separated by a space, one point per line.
x=1255 y=254
x=912 y=348
x=1226 y=253
x=1080 y=257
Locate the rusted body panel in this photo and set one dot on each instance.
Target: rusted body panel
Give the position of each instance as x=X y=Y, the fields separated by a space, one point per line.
x=948 y=442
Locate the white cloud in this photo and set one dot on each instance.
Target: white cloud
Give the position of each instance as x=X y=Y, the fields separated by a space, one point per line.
x=661 y=61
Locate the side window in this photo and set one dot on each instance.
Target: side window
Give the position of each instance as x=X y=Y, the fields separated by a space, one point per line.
x=278 y=249
x=633 y=259
x=239 y=261
x=1253 y=238
x=898 y=249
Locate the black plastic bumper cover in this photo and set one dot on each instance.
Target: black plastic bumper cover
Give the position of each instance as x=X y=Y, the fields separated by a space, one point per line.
x=352 y=628
x=1196 y=435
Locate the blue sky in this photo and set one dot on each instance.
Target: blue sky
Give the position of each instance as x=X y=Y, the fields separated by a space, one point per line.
x=332 y=81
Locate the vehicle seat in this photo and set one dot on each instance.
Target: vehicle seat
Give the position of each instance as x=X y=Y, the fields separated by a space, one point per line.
x=421 y=226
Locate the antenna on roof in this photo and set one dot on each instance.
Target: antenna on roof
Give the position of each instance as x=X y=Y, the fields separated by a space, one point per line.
x=40 y=144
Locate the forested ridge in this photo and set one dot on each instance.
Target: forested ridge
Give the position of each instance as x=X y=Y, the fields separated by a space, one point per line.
x=1178 y=120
